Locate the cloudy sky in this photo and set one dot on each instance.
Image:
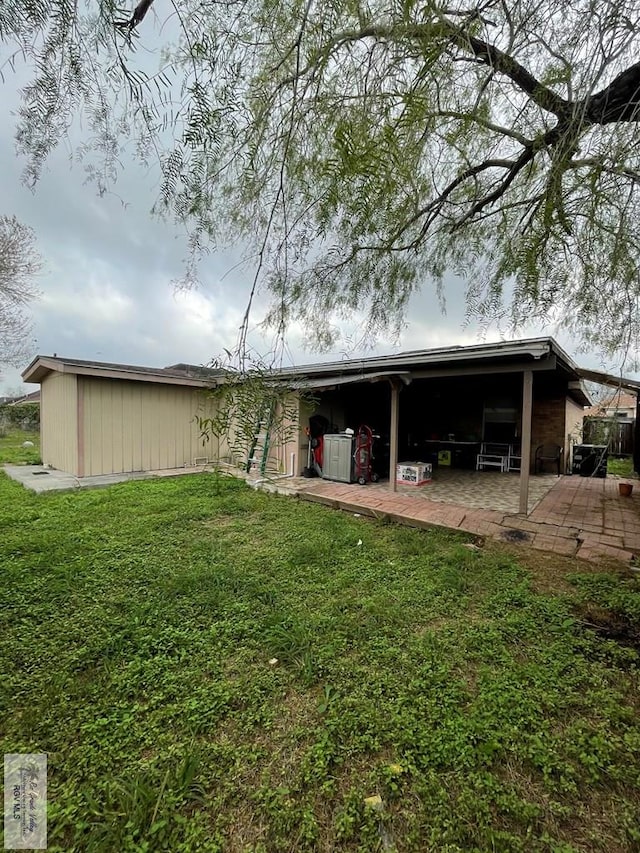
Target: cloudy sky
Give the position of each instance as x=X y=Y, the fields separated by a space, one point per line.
x=106 y=285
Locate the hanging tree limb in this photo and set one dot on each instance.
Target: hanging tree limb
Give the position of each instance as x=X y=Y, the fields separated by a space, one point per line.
x=137 y=17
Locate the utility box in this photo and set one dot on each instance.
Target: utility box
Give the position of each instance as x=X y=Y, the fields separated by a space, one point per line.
x=590 y=460
x=337 y=458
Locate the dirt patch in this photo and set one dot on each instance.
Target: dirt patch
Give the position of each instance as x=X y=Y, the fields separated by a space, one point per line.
x=515 y=535
x=609 y=625
x=549 y=571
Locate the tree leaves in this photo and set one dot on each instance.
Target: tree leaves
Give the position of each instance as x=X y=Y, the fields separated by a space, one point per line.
x=364 y=151
x=19 y=264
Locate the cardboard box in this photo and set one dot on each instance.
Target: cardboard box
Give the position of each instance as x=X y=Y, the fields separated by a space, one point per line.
x=413 y=473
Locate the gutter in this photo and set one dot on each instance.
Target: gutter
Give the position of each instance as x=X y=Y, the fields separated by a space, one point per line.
x=537 y=349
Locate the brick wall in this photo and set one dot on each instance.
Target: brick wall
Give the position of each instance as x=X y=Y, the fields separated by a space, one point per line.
x=547 y=423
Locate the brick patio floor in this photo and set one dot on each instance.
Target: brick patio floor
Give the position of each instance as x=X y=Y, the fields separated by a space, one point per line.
x=572 y=516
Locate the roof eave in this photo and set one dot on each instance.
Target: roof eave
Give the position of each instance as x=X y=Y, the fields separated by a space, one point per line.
x=41 y=366
x=579 y=393
x=610 y=380
x=536 y=349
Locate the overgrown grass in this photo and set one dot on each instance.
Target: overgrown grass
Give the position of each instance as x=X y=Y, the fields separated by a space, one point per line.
x=11 y=449
x=620 y=466
x=211 y=668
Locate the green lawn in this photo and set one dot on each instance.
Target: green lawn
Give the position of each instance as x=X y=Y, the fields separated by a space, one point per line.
x=11 y=449
x=140 y=625
x=620 y=466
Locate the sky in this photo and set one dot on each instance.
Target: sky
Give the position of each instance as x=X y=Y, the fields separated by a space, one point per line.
x=106 y=286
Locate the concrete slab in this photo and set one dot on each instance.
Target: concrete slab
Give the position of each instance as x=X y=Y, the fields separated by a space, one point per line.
x=40 y=479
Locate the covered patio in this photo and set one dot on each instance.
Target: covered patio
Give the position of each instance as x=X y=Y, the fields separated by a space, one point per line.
x=476 y=489
x=452 y=408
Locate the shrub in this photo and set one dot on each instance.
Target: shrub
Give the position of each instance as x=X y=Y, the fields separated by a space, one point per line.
x=26 y=416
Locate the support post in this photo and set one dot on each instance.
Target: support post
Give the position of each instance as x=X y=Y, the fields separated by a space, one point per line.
x=393 y=434
x=80 y=426
x=525 y=460
x=636 y=437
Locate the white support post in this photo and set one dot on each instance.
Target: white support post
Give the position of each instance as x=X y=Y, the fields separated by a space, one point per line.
x=525 y=461
x=393 y=434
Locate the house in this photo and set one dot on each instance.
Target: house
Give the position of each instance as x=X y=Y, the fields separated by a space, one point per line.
x=612 y=421
x=101 y=418
x=620 y=405
x=33 y=397
x=447 y=402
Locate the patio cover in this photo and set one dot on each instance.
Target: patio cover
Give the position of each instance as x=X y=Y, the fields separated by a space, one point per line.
x=609 y=379
x=327 y=382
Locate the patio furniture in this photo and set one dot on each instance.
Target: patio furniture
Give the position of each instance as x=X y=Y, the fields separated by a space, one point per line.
x=493 y=456
x=514 y=461
x=548 y=453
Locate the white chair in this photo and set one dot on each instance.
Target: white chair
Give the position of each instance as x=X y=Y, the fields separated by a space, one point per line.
x=514 y=462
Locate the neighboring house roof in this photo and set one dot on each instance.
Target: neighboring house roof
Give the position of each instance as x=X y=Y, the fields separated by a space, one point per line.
x=5 y=400
x=622 y=401
x=616 y=403
x=179 y=374
x=33 y=397
x=478 y=359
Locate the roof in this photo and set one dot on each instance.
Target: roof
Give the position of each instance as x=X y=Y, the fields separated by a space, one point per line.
x=479 y=359
x=532 y=348
x=325 y=383
x=608 y=379
x=33 y=397
x=177 y=374
x=617 y=402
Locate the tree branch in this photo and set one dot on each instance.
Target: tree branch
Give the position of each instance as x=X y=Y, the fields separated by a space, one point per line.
x=619 y=101
x=525 y=157
x=434 y=207
x=496 y=128
x=450 y=33
x=137 y=17
x=505 y=64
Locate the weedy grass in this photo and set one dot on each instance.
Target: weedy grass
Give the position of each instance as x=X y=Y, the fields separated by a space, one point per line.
x=11 y=449
x=139 y=629
x=620 y=466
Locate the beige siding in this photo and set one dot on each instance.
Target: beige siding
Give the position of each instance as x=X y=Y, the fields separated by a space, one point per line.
x=306 y=410
x=140 y=426
x=573 y=427
x=58 y=422
x=285 y=439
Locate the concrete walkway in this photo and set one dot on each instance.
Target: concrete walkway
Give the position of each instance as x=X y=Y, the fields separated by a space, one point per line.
x=39 y=478
x=576 y=516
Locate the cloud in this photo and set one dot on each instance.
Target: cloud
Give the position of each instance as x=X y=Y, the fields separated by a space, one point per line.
x=98 y=303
